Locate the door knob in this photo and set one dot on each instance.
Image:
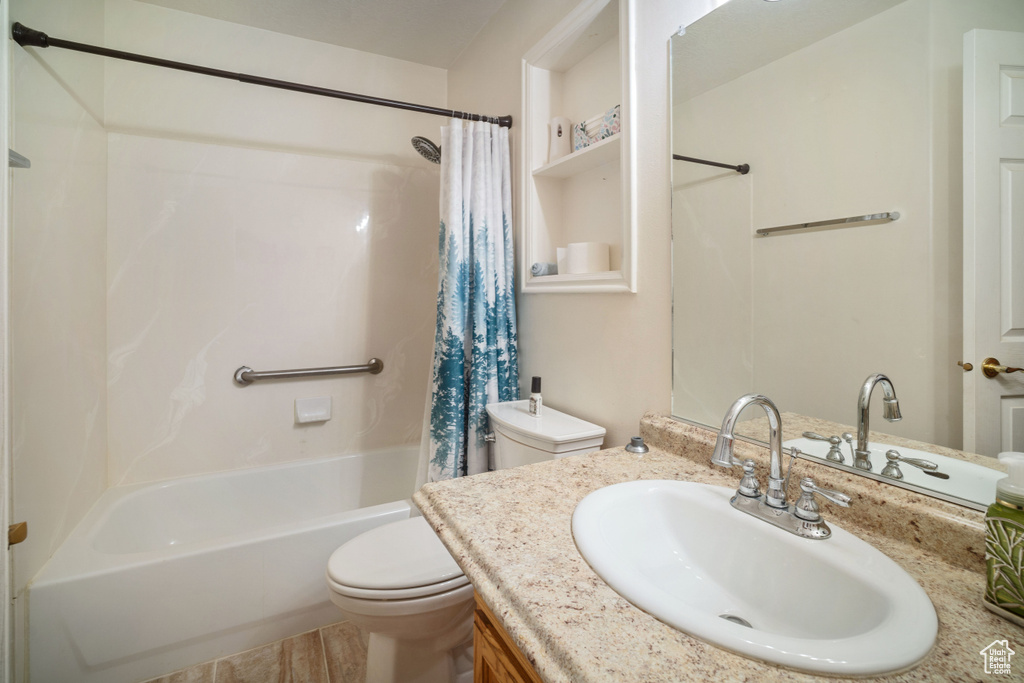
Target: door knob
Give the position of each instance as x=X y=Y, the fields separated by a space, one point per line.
x=991 y=368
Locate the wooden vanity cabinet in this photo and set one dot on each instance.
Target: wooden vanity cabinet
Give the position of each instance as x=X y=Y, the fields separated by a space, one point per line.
x=496 y=659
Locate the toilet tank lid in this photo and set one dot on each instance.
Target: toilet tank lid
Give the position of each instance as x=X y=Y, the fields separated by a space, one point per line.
x=404 y=554
x=552 y=424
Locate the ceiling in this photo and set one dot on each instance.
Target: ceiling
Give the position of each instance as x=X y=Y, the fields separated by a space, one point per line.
x=431 y=32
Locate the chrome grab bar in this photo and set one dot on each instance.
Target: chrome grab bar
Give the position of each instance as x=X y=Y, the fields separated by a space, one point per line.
x=246 y=375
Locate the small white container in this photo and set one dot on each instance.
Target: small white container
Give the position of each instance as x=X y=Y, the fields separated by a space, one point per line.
x=588 y=257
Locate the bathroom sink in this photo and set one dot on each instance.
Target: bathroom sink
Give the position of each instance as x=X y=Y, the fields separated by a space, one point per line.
x=967 y=480
x=680 y=552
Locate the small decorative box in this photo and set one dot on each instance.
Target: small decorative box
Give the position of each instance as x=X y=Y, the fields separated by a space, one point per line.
x=596 y=129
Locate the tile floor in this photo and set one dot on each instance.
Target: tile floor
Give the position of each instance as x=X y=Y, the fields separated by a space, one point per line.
x=332 y=654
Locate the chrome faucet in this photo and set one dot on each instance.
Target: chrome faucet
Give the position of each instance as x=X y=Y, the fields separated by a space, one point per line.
x=890 y=411
x=803 y=518
x=723 y=455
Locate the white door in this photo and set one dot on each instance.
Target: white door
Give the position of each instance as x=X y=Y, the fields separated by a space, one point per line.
x=993 y=239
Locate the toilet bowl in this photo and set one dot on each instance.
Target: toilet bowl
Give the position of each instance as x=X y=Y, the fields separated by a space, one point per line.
x=400 y=583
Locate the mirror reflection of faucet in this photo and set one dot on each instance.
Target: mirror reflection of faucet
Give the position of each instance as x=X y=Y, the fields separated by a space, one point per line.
x=890 y=411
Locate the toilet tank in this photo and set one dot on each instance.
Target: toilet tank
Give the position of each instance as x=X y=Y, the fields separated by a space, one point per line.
x=523 y=439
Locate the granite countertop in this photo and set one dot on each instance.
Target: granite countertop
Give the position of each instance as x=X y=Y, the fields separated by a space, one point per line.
x=510 y=532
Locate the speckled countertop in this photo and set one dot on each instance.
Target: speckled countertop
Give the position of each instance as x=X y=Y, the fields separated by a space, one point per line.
x=510 y=532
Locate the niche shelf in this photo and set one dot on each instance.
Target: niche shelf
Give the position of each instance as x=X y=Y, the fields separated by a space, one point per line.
x=581 y=68
x=598 y=154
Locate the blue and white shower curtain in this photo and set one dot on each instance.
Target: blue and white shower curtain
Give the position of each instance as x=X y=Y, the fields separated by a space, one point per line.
x=475 y=353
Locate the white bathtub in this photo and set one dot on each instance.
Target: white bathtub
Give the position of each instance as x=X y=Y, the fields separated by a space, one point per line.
x=164 y=575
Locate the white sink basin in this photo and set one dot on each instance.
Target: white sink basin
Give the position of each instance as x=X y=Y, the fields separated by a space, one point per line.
x=966 y=480
x=680 y=552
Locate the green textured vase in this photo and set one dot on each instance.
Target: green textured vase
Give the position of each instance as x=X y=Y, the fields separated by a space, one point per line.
x=1004 y=560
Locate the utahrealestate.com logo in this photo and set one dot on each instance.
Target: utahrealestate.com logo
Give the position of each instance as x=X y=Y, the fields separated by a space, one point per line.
x=997 y=657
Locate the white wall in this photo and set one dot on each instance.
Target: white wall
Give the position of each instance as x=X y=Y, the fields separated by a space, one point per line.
x=865 y=121
x=58 y=281
x=605 y=358
x=250 y=226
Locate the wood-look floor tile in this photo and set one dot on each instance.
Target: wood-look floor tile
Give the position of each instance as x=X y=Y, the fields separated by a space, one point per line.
x=345 y=647
x=200 y=673
x=299 y=659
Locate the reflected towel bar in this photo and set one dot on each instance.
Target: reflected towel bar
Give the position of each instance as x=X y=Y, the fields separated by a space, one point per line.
x=246 y=375
x=873 y=218
x=742 y=169
x=15 y=160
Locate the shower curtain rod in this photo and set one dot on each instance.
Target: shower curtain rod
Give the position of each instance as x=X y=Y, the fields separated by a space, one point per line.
x=26 y=36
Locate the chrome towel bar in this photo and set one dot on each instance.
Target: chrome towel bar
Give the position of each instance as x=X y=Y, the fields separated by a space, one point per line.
x=872 y=218
x=246 y=375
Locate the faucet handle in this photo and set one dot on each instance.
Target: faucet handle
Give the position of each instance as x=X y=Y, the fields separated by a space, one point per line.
x=834 y=453
x=748 y=484
x=848 y=438
x=815 y=436
x=806 y=507
x=892 y=467
x=893 y=456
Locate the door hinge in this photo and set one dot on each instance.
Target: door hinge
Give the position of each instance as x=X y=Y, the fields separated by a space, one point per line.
x=16 y=533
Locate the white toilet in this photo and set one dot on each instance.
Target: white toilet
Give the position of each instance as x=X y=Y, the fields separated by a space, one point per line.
x=399 y=583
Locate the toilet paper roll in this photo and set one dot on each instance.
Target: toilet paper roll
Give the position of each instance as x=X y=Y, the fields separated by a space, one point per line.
x=587 y=257
x=561 y=138
x=563 y=259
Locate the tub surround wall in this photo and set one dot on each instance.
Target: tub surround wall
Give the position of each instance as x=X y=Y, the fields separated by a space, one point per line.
x=573 y=627
x=57 y=282
x=251 y=226
x=225 y=256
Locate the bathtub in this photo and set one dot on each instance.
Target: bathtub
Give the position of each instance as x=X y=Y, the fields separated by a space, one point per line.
x=161 y=576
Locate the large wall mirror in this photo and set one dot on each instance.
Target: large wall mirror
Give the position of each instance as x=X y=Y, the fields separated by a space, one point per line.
x=841 y=109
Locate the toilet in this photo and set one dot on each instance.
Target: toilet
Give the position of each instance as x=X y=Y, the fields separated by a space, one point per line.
x=400 y=583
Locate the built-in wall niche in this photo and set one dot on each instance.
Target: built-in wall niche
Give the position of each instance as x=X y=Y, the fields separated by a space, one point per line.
x=579 y=71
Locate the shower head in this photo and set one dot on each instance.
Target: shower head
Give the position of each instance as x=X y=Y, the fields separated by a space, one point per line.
x=427 y=149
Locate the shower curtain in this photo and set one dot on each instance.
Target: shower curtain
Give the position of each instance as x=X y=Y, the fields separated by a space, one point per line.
x=475 y=355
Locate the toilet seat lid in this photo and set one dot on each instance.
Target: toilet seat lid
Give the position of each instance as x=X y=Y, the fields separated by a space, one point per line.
x=405 y=554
